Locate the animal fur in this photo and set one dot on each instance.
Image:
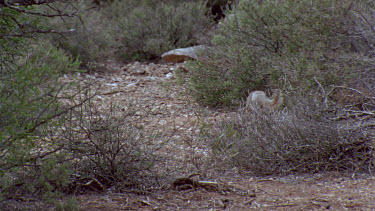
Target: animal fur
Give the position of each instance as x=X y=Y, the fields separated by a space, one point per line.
x=260 y=100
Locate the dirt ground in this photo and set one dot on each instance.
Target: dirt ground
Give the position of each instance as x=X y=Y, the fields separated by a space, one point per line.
x=163 y=106
x=309 y=192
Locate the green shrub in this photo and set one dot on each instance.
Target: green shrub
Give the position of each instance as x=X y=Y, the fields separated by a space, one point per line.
x=70 y=204
x=284 y=44
x=46 y=178
x=214 y=81
x=29 y=92
x=30 y=106
x=88 y=37
x=130 y=30
x=149 y=30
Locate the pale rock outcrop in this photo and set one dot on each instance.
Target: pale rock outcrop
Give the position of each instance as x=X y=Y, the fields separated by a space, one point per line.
x=182 y=54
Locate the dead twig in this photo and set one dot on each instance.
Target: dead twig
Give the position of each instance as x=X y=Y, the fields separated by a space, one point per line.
x=355 y=90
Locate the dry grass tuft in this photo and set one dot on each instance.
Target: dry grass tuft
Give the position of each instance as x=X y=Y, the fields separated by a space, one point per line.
x=303 y=138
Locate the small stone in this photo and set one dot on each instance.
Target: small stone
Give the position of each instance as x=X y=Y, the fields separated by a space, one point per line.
x=139 y=113
x=169 y=75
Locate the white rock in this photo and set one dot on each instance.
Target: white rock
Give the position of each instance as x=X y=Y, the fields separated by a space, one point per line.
x=112 y=84
x=182 y=54
x=132 y=84
x=169 y=75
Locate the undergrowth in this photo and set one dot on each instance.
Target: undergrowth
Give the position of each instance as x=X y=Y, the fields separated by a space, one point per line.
x=302 y=139
x=131 y=30
x=320 y=54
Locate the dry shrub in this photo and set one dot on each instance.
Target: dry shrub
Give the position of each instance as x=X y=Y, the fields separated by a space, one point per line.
x=109 y=149
x=302 y=139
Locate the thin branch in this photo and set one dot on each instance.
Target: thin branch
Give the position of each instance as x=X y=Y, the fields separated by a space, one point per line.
x=27 y=2
x=33 y=158
x=25 y=11
x=344 y=87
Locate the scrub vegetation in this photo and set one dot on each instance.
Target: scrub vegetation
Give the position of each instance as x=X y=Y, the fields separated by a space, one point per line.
x=57 y=141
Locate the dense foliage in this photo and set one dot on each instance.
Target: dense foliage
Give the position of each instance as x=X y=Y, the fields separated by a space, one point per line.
x=133 y=30
x=290 y=45
x=30 y=95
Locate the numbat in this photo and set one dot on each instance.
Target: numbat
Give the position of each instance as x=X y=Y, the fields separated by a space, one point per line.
x=260 y=100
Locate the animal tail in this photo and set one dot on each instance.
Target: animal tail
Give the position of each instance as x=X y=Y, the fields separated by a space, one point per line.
x=278 y=99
